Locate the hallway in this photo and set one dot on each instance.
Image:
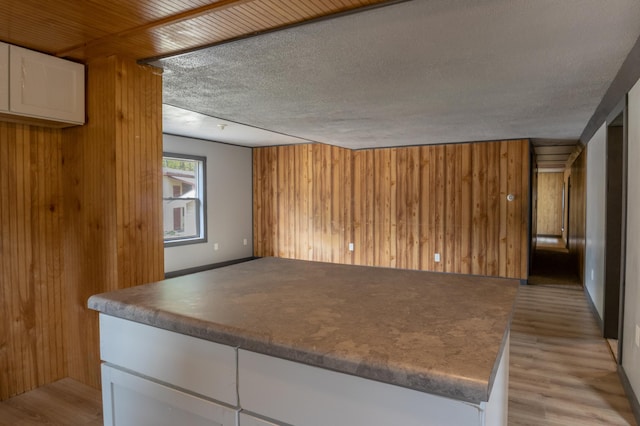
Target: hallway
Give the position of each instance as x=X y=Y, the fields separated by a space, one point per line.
x=552 y=264
x=562 y=370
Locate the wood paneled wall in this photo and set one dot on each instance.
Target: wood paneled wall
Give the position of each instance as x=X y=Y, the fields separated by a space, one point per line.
x=399 y=206
x=550 y=203
x=534 y=208
x=113 y=194
x=577 y=211
x=32 y=349
x=302 y=202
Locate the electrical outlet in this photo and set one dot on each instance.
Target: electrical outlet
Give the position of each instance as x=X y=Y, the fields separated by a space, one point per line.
x=436 y=257
x=215 y=246
x=637 y=335
x=350 y=246
x=244 y=241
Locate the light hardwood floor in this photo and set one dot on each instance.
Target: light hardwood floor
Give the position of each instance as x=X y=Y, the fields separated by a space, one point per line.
x=562 y=372
x=65 y=402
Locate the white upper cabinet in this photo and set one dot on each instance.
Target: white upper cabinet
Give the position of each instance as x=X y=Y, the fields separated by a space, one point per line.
x=45 y=87
x=4 y=77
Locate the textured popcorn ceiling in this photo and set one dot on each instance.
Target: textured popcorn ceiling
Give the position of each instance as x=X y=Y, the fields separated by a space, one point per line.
x=419 y=72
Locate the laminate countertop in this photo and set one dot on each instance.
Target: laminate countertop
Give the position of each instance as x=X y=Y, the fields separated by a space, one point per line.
x=432 y=332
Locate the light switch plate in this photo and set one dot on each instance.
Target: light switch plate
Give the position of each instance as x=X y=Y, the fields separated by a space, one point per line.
x=638 y=335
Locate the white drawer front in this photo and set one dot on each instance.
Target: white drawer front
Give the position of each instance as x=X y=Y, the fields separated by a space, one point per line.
x=197 y=365
x=130 y=400
x=302 y=395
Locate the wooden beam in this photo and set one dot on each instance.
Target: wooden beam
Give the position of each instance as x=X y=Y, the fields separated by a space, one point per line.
x=169 y=20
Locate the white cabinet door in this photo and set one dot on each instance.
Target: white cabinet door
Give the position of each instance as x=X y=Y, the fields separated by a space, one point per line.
x=249 y=420
x=130 y=400
x=45 y=87
x=4 y=77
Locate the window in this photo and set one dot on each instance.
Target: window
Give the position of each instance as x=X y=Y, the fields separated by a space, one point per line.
x=183 y=189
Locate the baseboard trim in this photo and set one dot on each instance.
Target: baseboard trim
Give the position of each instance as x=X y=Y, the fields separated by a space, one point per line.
x=202 y=268
x=594 y=311
x=631 y=395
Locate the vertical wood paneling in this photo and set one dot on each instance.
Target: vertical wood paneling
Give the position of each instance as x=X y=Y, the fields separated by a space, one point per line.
x=437 y=208
x=382 y=208
x=513 y=238
x=407 y=205
x=302 y=202
x=427 y=201
x=504 y=190
x=493 y=205
x=283 y=203
x=466 y=205
x=138 y=156
x=31 y=284
x=453 y=218
x=112 y=193
x=347 y=217
x=412 y=198
x=479 y=190
x=549 y=214
x=363 y=212
x=524 y=216
x=108 y=175
x=578 y=218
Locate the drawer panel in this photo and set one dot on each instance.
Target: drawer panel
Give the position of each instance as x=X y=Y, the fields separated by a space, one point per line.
x=303 y=395
x=197 y=365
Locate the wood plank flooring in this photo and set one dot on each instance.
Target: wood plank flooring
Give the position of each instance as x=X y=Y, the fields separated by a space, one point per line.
x=562 y=372
x=65 y=402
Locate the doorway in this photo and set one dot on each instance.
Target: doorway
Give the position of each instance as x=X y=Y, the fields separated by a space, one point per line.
x=553 y=265
x=614 y=231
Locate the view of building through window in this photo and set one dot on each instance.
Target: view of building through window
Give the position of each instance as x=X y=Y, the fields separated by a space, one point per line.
x=183 y=198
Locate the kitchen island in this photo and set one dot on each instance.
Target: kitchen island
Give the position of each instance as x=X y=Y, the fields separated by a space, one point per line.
x=278 y=341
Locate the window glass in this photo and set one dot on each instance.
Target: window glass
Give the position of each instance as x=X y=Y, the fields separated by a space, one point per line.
x=183 y=199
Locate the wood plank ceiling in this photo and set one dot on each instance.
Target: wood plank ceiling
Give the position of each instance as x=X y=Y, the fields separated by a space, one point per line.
x=82 y=30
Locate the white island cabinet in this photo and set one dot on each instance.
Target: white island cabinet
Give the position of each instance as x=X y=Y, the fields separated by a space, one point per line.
x=157 y=377
x=40 y=89
x=294 y=343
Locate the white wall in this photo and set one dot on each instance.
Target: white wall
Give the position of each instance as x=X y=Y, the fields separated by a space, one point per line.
x=595 y=232
x=229 y=204
x=631 y=352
